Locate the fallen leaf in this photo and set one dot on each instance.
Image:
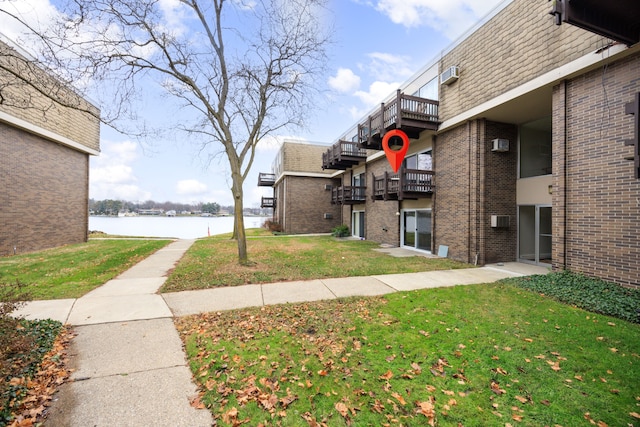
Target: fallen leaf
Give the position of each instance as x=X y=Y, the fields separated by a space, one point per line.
x=399 y=398
x=387 y=376
x=522 y=399
x=634 y=415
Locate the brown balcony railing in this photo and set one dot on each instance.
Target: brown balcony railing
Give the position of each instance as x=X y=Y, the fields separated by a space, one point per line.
x=411 y=114
x=348 y=195
x=266 y=179
x=268 y=202
x=342 y=155
x=406 y=184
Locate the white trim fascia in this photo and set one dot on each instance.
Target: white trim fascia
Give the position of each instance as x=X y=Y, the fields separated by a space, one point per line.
x=552 y=77
x=304 y=175
x=47 y=134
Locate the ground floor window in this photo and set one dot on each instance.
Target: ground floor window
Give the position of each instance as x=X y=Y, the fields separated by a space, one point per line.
x=534 y=234
x=357 y=224
x=416 y=229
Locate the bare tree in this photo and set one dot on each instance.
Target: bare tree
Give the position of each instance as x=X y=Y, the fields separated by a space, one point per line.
x=247 y=68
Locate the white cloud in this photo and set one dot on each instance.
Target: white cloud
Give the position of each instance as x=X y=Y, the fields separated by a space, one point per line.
x=111 y=175
x=451 y=18
x=378 y=91
x=389 y=67
x=190 y=187
x=345 y=81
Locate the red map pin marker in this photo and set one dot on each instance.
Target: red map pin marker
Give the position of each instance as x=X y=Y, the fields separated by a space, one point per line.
x=395 y=157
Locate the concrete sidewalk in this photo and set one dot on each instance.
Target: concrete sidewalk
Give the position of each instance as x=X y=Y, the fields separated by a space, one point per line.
x=130 y=368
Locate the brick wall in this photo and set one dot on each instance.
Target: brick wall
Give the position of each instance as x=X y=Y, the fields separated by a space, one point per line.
x=518 y=44
x=499 y=176
x=307 y=158
x=598 y=203
x=381 y=214
x=471 y=184
x=306 y=201
x=44 y=197
x=24 y=102
x=451 y=213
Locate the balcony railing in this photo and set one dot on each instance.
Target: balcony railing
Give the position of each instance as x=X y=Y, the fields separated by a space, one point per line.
x=266 y=179
x=342 y=155
x=411 y=114
x=349 y=195
x=268 y=202
x=406 y=184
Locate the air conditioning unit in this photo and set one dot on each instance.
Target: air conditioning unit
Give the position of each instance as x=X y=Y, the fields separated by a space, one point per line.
x=328 y=187
x=500 y=145
x=450 y=75
x=499 y=221
x=328 y=216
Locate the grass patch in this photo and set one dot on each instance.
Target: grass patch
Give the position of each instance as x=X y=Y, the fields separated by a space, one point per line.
x=72 y=271
x=482 y=355
x=213 y=262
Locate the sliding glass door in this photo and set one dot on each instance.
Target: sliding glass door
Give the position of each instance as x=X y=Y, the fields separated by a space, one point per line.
x=416 y=229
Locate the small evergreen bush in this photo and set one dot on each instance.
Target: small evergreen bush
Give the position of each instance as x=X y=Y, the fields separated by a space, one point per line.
x=340 y=231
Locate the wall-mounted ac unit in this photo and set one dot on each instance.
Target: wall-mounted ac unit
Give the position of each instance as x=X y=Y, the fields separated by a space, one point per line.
x=450 y=75
x=328 y=216
x=500 y=145
x=328 y=187
x=499 y=221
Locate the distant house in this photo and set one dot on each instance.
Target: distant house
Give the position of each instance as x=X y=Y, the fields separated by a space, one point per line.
x=44 y=158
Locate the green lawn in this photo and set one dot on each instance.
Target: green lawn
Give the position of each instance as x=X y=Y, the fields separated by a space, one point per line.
x=213 y=262
x=72 y=271
x=482 y=355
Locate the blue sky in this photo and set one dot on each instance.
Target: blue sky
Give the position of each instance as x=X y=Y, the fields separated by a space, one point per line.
x=378 y=45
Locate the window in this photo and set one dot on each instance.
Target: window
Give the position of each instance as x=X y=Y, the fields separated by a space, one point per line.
x=429 y=90
x=535 y=148
x=420 y=161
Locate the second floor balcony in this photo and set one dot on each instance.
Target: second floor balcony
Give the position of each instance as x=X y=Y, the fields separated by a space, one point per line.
x=342 y=155
x=266 y=179
x=406 y=184
x=411 y=114
x=268 y=202
x=348 y=195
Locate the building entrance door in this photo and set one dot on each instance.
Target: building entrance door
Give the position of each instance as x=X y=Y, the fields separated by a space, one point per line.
x=416 y=229
x=357 y=224
x=534 y=234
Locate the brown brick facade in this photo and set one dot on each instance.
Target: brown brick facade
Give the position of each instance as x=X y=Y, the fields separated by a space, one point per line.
x=382 y=223
x=301 y=205
x=515 y=46
x=596 y=197
x=26 y=103
x=44 y=197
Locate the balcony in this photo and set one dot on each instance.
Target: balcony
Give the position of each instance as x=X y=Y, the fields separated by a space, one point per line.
x=350 y=195
x=410 y=114
x=266 y=179
x=407 y=184
x=342 y=155
x=268 y=202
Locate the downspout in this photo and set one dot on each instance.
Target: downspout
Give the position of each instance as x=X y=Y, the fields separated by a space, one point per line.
x=565 y=175
x=469 y=193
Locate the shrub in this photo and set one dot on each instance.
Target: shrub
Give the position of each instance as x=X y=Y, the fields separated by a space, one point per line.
x=272 y=226
x=588 y=293
x=340 y=231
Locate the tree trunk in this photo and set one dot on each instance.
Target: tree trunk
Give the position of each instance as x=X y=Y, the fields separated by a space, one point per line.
x=238 y=215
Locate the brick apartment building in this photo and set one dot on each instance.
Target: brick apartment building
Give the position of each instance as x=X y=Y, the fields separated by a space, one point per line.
x=522 y=147
x=44 y=159
x=301 y=199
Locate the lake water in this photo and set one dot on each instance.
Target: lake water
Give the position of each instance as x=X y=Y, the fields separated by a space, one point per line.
x=183 y=227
